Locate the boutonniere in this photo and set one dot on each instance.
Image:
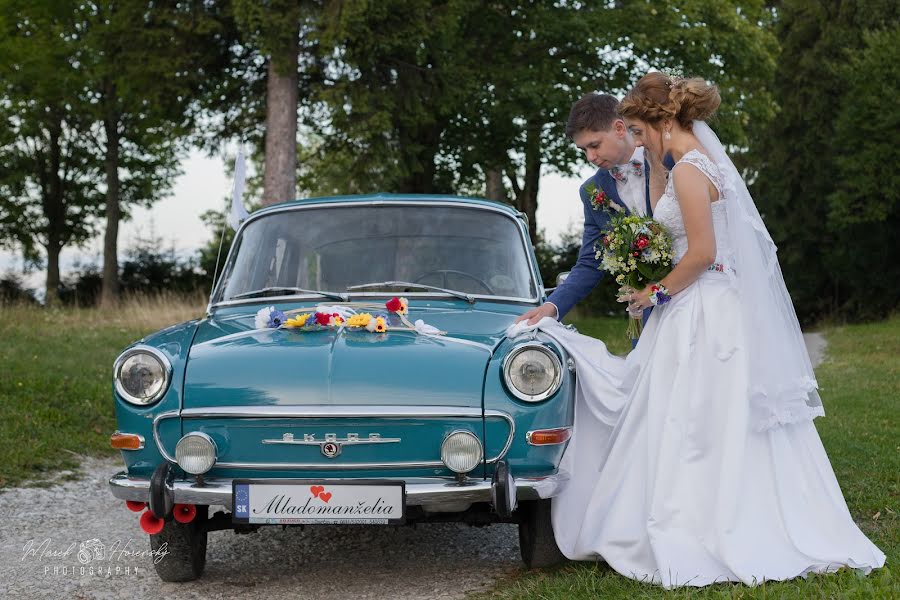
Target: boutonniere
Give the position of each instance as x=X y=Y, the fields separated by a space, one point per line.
x=600 y=200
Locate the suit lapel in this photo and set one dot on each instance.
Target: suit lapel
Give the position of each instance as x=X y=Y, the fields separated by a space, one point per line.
x=605 y=181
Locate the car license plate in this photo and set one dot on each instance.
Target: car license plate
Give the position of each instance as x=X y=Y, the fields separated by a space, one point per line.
x=294 y=502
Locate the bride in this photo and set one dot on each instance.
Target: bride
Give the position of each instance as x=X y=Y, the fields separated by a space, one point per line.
x=695 y=459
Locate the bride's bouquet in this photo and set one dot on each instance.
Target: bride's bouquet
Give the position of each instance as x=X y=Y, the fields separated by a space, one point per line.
x=636 y=251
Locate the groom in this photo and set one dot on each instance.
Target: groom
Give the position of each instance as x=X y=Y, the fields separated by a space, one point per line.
x=623 y=174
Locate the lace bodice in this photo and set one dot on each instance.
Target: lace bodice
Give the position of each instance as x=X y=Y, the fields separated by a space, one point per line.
x=668 y=210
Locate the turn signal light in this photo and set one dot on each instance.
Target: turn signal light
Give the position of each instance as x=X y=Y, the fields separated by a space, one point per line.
x=543 y=437
x=126 y=441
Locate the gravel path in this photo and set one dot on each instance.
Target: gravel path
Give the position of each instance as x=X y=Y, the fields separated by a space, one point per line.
x=43 y=528
x=815 y=345
x=428 y=561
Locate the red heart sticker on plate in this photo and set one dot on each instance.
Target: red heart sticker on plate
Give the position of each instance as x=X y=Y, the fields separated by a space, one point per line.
x=316 y=490
x=325 y=496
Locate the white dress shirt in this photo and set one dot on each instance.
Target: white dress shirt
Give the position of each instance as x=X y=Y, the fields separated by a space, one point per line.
x=634 y=191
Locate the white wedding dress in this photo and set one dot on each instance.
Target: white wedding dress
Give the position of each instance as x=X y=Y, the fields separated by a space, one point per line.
x=671 y=481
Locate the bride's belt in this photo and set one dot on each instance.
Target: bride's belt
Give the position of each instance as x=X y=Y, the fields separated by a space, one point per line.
x=718 y=267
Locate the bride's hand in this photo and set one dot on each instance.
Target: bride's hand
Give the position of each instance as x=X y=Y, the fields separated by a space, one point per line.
x=637 y=300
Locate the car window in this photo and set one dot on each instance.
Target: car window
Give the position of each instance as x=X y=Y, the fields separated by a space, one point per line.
x=332 y=248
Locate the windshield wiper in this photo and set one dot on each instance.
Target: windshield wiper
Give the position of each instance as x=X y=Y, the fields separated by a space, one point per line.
x=462 y=295
x=291 y=290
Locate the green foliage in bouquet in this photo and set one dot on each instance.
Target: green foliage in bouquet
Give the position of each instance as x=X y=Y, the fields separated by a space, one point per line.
x=636 y=251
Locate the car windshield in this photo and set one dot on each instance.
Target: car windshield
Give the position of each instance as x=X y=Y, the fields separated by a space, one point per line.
x=334 y=248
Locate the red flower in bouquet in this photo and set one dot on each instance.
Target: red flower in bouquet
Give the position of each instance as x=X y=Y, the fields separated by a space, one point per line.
x=637 y=251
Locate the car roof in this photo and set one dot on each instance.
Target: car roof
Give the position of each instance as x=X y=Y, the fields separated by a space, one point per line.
x=392 y=198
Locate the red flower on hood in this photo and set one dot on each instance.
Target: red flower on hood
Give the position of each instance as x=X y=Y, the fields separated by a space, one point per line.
x=394 y=304
x=322 y=318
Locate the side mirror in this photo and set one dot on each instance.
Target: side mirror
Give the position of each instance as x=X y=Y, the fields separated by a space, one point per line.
x=561 y=278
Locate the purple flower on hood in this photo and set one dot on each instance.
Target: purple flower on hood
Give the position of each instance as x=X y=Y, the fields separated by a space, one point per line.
x=276 y=319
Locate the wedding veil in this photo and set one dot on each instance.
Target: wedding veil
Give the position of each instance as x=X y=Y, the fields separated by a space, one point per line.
x=782 y=387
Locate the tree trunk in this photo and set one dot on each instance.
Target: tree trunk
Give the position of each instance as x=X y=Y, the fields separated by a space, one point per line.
x=494 y=189
x=419 y=145
x=109 y=295
x=54 y=211
x=280 y=179
x=51 y=290
x=527 y=199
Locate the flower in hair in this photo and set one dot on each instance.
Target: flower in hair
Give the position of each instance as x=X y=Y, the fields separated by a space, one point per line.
x=674 y=75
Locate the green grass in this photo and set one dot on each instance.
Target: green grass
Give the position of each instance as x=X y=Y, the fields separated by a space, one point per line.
x=56 y=382
x=55 y=402
x=860 y=386
x=609 y=329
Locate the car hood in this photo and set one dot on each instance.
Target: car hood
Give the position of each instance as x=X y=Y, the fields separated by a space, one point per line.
x=233 y=364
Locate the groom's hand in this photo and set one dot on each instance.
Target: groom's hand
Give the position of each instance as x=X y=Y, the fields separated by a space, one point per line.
x=547 y=309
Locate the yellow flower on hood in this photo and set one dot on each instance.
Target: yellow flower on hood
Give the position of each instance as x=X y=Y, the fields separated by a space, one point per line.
x=360 y=320
x=298 y=321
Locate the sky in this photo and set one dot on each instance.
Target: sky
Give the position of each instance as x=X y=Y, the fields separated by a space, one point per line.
x=204 y=185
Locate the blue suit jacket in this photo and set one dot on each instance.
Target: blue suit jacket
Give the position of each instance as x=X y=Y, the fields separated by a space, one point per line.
x=586 y=273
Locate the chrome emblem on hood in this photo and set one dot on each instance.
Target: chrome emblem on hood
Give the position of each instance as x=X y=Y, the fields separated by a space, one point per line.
x=331 y=446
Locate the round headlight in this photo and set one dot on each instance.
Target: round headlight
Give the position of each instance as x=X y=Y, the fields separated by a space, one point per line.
x=142 y=375
x=195 y=453
x=532 y=372
x=461 y=451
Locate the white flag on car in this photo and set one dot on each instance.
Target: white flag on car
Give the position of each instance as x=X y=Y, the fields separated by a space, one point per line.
x=238 y=212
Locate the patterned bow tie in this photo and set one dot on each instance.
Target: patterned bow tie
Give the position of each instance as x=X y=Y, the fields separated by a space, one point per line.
x=621 y=172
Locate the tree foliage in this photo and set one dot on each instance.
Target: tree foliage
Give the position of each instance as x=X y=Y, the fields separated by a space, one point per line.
x=48 y=172
x=143 y=64
x=423 y=96
x=826 y=183
x=864 y=209
x=98 y=97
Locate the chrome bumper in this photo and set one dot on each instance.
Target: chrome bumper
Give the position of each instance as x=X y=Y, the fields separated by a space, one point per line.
x=433 y=494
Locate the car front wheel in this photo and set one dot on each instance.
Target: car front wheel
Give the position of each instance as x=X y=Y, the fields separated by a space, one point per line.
x=180 y=548
x=536 y=540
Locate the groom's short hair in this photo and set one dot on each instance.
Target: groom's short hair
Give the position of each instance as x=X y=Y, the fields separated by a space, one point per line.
x=592 y=112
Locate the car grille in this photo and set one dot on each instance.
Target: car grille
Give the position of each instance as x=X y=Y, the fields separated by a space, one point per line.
x=364 y=437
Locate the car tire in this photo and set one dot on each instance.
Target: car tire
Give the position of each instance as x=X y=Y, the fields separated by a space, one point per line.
x=536 y=540
x=185 y=544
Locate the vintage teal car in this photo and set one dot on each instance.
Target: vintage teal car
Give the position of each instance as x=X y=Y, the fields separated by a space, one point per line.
x=352 y=367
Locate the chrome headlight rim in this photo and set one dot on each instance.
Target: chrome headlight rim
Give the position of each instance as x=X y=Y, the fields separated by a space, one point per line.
x=166 y=368
x=209 y=440
x=471 y=434
x=554 y=358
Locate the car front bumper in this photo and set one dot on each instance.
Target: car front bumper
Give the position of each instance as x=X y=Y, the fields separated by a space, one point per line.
x=433 y=494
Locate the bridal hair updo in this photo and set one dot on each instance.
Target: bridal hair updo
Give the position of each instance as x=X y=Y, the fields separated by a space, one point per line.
x=658 y=96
